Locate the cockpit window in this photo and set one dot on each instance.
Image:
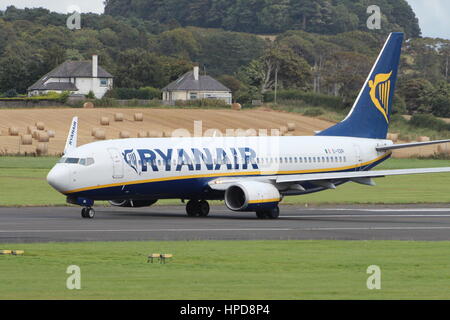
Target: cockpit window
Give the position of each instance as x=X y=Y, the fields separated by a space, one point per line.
x=81 y=161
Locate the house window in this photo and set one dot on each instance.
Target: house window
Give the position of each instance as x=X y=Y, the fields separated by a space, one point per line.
x=103 y=82
x=193 y=95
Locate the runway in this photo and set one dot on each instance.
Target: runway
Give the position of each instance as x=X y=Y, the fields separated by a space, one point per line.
x=45 y=224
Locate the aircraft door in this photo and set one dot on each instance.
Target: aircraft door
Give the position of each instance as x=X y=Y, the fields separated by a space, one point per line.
x=358 y=156
x=117 y=163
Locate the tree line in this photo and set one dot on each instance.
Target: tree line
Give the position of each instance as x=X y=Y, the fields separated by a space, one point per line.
x=269 y=16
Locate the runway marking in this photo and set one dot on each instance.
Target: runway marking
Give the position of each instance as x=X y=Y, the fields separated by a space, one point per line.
x=371 y=216
x=240 y=229
x=385 y=210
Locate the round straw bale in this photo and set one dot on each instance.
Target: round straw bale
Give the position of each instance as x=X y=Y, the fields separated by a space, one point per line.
x=51 y=133
x=100 y=134
x=138 y=117
x=40 y=125
x=291 y=126
x=43 y=136
x=424 y=139
x=142 y=134
x=13 y=131
x=42 y=149
x=93 y=130
x=124 y=134
x=283 y=130
x=118 y=116
x=88 y=105
x=26 y=139
x=236 y=106
x=104 y=121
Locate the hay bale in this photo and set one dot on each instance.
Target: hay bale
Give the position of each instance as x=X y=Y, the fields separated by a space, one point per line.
x=251 y=133
x=13 y=131
x=283 y=130
x=118 y=117
x=51 y=133
x=142 y=134
x=35 y=134
x=42 y=149
x=124 y=135
x=93 y=130
x=291 y=126
x=236 y=106
x=26 y=140
x=104 y=121
x=443 y=149
x=138 y=117
x=424 y=139
x=43 y=136
x=100 y=134
x=40 y=125
x=392 y=136
x=88 y=105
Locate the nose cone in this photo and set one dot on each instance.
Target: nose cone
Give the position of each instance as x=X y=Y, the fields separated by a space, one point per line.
x=59 y=178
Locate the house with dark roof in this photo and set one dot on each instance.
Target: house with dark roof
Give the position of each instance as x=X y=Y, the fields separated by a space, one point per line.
x=193 y=86
x=77 y=77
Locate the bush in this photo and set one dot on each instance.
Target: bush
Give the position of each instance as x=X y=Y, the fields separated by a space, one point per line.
x=310 y=98
x=12 y=93
x=428 y=121
x=90 y=95
x=313 y=112
x=200 y=103
x=146 y=93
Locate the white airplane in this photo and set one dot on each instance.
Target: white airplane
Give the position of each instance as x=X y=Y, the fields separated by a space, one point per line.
x=249 y=173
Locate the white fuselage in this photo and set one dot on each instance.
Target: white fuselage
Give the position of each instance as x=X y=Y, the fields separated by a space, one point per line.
x=181 y=167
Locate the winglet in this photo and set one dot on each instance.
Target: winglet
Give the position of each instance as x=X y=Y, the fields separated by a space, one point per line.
x=71 y=142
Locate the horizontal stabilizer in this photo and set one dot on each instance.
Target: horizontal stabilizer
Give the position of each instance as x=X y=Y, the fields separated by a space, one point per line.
x=411 y=145
x=358 y=174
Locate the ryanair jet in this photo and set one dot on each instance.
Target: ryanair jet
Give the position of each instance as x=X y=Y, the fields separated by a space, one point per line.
x=248 y=173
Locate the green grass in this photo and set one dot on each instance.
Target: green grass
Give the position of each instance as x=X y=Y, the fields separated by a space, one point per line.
x=25 y=183
x=229 y=270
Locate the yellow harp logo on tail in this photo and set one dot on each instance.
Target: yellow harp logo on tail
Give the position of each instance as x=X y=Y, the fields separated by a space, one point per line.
x=380 y=89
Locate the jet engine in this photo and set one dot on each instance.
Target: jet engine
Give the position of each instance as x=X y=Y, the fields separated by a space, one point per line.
x=132 y=203
x=252 y=196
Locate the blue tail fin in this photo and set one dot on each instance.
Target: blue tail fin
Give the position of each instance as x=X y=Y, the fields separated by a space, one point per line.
x=369 y=117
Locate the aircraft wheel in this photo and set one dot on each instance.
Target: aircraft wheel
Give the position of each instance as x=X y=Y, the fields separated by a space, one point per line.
x=261 y=214
x=87 y=213
x=203 y=208
x=273 y=213
x=193 y=208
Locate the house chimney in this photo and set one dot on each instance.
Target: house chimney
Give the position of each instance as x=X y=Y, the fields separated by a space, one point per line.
x=196 y=72
x=95 y=66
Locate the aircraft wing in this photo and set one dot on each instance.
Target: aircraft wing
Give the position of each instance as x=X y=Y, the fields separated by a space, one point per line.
x=325 y=179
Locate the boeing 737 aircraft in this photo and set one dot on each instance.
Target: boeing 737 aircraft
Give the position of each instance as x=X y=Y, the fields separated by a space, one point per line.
x=249 y=173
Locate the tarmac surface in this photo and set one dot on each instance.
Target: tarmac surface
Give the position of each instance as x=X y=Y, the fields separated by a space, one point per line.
x=55 y=224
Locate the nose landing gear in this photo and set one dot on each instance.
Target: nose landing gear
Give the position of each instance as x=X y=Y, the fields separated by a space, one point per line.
x=87 y=213
x=195 y=208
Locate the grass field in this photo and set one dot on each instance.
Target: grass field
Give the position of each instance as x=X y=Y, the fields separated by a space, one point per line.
x=23 y=184
x=229 y=270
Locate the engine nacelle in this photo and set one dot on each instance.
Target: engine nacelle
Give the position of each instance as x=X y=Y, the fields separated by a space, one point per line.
x=251 y=196
x=132 y=203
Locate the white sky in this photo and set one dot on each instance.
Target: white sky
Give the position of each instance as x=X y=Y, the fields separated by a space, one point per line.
x=434 y=15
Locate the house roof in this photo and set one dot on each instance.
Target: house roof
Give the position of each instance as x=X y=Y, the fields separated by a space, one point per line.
x=69 y=69
x=187 y=82
x=57 y=86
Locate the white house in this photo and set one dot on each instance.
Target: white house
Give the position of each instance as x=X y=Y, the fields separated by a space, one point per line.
x=77 y=77
x=193 y=86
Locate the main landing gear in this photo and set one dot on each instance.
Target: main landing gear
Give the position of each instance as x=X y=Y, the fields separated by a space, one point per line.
x=273 y=213
x=87 y=213
x=195 y=208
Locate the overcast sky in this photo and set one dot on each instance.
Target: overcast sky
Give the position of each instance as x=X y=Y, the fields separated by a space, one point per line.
x=434 y=15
